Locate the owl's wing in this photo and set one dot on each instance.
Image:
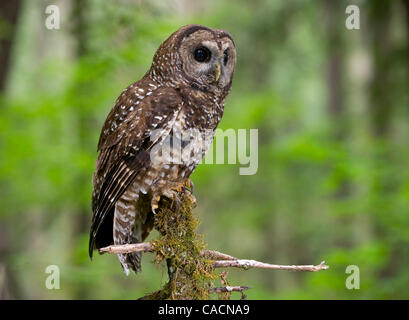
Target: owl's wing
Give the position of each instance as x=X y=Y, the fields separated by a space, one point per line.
x=125 y=152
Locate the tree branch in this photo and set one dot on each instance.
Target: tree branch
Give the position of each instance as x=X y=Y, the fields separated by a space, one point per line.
x=128 y=248
x=246 y=264
x=216 y=255
x=221 y=260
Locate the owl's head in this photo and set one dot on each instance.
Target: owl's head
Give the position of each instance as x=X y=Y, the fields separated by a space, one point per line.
x=198 y=56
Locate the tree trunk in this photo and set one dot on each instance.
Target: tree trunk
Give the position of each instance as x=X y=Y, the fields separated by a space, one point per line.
x=9 y=12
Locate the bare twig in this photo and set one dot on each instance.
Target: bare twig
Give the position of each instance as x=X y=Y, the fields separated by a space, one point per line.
x=127 y=248
x=229 y=289
x=246 y=264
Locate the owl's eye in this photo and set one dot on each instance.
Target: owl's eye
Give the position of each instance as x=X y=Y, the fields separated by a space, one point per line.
x=225 y=56
x=202 y=54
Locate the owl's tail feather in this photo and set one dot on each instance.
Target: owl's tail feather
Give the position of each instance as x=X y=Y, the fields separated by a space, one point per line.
x=130 y=261
x=132 y=225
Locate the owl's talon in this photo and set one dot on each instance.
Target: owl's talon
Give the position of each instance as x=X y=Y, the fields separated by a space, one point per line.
x=154 y=207
x=188 y=185
x=155 y=203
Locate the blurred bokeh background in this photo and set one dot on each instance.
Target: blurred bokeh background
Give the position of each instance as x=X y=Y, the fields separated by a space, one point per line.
x=330 y=104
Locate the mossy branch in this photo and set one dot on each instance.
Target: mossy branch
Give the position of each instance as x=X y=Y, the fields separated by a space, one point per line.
x=191 y=267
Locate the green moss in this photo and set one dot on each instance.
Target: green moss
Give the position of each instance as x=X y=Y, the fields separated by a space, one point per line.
x=190 y=274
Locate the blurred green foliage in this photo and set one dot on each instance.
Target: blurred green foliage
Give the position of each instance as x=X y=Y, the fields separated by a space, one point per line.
x=330 y=185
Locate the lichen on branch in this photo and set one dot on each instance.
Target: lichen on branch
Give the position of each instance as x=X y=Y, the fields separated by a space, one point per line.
x=190 y=272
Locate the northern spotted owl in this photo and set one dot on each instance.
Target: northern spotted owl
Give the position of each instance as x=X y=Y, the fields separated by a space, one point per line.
x=181 y=95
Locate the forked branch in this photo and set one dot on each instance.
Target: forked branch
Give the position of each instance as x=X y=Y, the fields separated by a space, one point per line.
x=191 y=268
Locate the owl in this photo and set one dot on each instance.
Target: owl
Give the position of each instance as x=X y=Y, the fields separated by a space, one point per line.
x=156 y=135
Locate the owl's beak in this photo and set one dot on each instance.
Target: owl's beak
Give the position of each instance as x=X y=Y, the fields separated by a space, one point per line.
x=217 y=71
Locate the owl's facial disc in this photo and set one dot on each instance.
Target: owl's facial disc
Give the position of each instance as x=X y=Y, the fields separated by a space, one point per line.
x=208 y=59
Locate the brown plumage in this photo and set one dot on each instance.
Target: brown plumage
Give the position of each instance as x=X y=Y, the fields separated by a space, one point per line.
x=179 y=102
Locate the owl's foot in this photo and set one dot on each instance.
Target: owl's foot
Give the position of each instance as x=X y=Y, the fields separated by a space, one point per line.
x=173 y=195
x=169 y=190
